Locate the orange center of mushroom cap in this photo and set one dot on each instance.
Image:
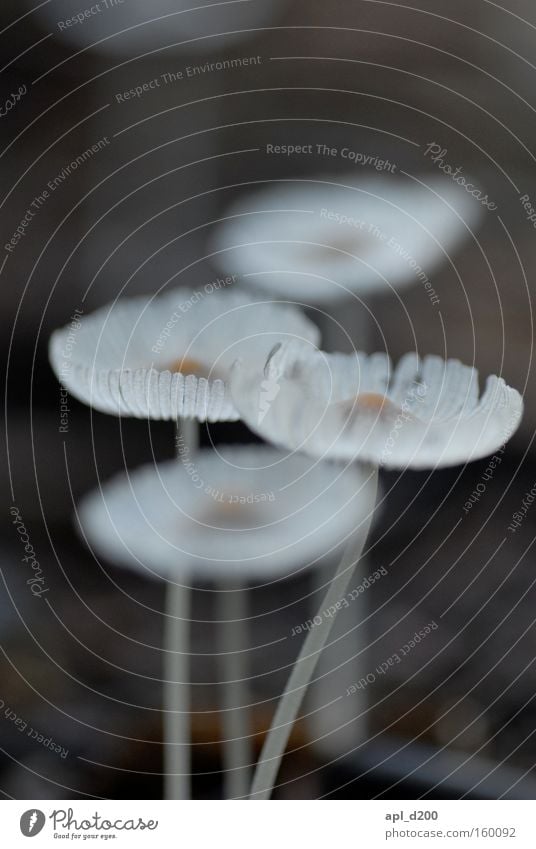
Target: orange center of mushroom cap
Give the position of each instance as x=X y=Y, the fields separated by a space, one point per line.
x=374 y=401
x=185 y=366
x=231 y=511
x=369 y=402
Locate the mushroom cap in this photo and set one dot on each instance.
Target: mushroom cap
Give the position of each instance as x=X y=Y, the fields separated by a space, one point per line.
x=124 y=359
x=424 y=413
x=321 y=240
x=239 y=512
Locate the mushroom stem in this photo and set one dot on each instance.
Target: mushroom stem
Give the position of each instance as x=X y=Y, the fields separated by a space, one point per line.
x=237 y=755
x=303 y=670
x=177 y=769
x=177 y=742
x=337 y=728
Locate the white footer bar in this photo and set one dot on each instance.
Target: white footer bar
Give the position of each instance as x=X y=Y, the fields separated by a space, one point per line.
x=245 y=824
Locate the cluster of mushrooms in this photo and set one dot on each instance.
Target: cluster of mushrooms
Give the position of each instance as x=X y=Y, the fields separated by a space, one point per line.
x=239 y=516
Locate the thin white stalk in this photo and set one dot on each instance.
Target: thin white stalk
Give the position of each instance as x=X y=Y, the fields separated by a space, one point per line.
x=177 y=763
x=237 y=750
x=186 y=438
x=177 y=731
x=344 y=724
x=303 y=670
x=348 y=326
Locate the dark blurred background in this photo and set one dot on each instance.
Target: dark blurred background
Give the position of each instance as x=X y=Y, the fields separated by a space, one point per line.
x=458 y=716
